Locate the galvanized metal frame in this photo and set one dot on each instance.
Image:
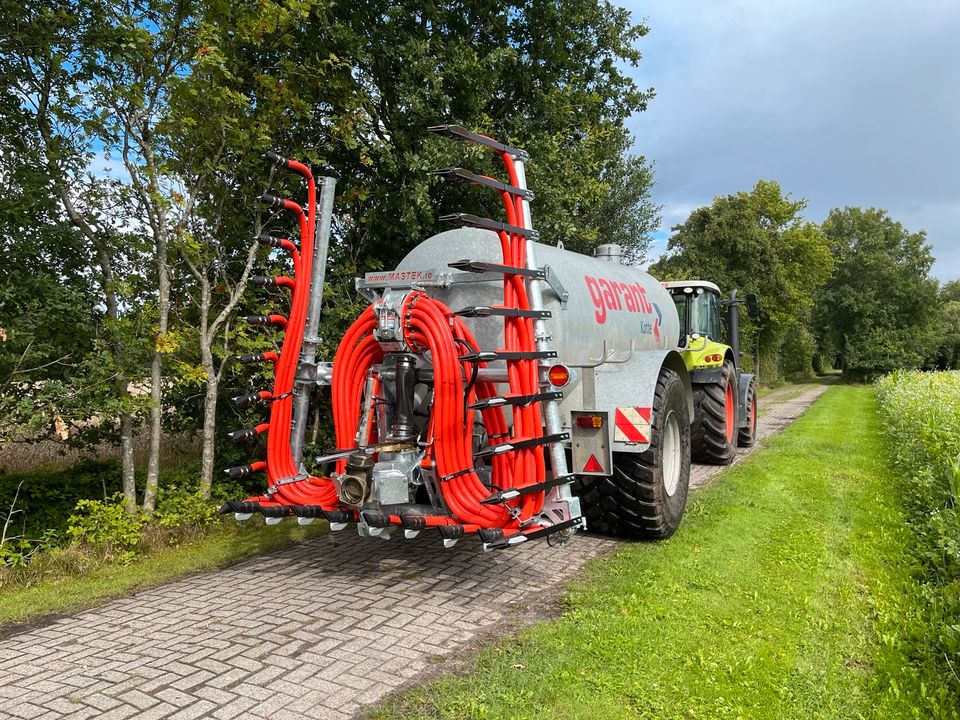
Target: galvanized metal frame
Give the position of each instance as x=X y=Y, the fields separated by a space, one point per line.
x=307 y=371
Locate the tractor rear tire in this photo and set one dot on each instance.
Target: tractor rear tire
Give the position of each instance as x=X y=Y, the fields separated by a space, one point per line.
x=714 y=429
x=647 y=492
x=746 y=436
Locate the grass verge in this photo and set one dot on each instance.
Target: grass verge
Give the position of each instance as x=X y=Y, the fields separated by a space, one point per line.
x=789 y=592
x=227 y=545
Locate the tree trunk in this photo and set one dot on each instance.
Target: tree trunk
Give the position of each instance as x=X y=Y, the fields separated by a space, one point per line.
x=103 y=262
x=156 y=374
x=209 y=434
x=209 y=408
x=315 y=430
x=126 y=458
x=208 y=332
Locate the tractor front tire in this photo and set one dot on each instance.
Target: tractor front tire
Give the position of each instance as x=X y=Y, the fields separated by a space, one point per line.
x=746 y=436
x=646 y=495
x=715 y=419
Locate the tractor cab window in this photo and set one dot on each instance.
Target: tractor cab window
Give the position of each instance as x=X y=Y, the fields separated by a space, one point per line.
x=680 y=300
x=705 y=315
x=699 y=313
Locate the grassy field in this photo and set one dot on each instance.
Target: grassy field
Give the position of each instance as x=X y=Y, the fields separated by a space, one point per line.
x=789 y=592
x=73 y=592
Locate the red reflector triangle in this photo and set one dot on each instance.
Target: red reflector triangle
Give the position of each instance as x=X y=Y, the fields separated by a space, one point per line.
x=593 y=465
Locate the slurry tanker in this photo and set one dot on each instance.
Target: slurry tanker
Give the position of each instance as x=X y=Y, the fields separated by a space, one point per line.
x=495 y=386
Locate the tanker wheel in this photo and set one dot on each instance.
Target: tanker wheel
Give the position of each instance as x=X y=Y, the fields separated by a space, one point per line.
x=647 y=492
x=714 y=429
x=746 y=436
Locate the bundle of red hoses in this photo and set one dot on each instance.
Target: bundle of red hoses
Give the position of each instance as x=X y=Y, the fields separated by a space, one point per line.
x=429 y=326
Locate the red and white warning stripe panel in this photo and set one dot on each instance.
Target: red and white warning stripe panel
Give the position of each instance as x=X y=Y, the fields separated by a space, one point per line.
x=632 y=425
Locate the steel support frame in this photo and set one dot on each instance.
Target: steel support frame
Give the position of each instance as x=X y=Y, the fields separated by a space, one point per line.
x=552 y=422
x=306 y=376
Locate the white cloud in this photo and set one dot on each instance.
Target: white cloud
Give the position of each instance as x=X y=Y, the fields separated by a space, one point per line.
x=103 y=167
x=849 y=103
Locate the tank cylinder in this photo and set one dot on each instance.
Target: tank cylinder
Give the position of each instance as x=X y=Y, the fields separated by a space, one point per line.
x=594 y=303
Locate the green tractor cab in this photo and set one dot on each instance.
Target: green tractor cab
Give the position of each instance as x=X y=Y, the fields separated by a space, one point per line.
x=725 y=397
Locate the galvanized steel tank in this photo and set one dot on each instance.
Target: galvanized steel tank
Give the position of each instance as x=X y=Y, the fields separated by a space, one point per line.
x=607 y=302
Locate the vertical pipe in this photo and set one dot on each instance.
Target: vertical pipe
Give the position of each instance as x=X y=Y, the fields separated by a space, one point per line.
x=305 y=379
x=733 y=326
x=403 y=427
x=551 y=411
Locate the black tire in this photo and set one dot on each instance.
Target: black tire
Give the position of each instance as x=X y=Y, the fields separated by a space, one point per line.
x=713 y=439
x=746 y=436
x=634 y=502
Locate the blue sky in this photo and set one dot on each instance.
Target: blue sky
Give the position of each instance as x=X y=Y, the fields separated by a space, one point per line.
x=844 y=103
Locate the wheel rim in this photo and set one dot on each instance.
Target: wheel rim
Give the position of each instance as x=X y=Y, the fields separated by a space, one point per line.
x=729 y=412
x=753 y=414
x=671 y=453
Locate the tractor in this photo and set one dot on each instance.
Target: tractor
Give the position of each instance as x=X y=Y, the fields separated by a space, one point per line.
x=724 y=397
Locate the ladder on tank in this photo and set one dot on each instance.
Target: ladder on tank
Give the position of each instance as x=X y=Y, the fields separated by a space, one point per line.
x=561 y=508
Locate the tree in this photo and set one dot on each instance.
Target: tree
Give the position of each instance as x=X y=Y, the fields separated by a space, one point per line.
x=134 y=56
x=544 y=76
x=186 y=95
x=82 y=270
x=946 y=329
x=756 y=242
x=875 y=313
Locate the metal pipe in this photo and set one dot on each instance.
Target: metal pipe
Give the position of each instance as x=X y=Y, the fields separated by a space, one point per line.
x=551 y=410
x=494 y=375
x=305 y=376
x=733 y=326
x=403 y=426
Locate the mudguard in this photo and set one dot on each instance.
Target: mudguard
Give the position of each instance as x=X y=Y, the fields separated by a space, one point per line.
x=746 y=379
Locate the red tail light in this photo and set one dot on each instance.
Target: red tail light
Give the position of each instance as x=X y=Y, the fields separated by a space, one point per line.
x=558 y=375
x=590 y=421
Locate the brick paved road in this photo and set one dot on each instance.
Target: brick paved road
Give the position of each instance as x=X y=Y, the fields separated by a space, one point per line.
x=314 y=631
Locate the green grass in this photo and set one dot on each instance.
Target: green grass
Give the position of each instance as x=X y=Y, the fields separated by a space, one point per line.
x=787 y=593
x=227 y=546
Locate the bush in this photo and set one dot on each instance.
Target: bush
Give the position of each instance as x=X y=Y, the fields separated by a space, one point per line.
x=86 y=531
x=18 y=551
x=922 y=412
x=47 y=497
x=184 y=506
x=107 y=526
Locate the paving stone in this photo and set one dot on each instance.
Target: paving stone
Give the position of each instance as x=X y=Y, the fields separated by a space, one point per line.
x=138 y=699
x=26 y=710
x=102 y=702
x=83 y=713
x=194 y=710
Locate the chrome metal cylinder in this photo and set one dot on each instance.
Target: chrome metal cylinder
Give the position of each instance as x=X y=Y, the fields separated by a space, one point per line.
x=305 y=377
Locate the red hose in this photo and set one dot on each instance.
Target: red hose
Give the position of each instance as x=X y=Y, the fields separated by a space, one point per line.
x=429 y=326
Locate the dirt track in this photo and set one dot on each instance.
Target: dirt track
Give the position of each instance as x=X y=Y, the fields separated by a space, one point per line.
x=314 y=631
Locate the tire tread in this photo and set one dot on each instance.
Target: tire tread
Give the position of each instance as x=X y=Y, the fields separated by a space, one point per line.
x=708 y=433
x=631 y=501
